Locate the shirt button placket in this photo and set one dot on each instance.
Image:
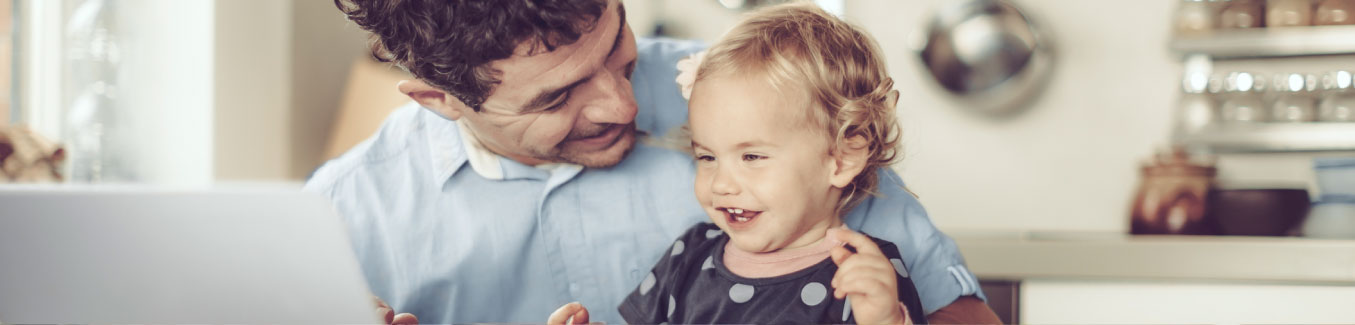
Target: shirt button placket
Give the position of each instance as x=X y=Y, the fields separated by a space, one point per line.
x=554 y=256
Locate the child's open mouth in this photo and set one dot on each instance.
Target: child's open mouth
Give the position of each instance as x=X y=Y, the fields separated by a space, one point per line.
x=739 y=217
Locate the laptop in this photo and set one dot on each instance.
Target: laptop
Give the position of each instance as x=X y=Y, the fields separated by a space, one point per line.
x=136 y=255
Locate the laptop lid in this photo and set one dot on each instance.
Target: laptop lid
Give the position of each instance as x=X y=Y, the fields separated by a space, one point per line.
x=127 y=255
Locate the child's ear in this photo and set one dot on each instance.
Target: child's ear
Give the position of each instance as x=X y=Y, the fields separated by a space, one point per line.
x=433 y=98
x=849 y=160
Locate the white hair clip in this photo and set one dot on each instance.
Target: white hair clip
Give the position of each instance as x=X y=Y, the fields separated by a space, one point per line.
x=687 y=72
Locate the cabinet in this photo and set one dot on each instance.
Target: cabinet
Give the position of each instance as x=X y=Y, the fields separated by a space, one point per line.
x=1098 y=278
x=1063 y=301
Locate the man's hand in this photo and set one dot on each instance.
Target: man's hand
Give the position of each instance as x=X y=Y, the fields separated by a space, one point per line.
x=389 y=316
x=570 y=313
x=868 y=279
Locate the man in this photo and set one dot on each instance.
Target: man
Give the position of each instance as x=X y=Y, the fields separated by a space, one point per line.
x=515 y=183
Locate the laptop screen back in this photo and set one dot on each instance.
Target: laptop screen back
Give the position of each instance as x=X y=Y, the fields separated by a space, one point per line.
x=160 y=256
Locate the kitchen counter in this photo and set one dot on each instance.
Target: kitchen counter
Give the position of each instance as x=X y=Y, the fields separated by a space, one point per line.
x=1070 y=255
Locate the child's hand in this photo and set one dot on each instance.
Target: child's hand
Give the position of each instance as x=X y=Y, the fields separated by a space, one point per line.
x=570 y=313
x=867 y=278
x=390 y=317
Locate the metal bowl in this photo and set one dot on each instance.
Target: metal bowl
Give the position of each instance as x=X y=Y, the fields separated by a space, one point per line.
x=747 y=4
x=986 y=53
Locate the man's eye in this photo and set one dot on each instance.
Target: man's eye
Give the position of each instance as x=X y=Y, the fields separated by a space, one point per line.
x=564 y=100
x=752 y=157
x=555 y=107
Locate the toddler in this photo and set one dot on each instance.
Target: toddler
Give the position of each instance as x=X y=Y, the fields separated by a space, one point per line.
x=791 y=115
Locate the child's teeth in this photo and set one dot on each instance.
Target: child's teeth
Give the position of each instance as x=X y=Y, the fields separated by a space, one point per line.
x=738 y=211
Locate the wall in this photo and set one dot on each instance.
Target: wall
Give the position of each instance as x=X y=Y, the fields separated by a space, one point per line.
x=282 y=67
x=1069 y=163
x=324 y=47
x=253 y=99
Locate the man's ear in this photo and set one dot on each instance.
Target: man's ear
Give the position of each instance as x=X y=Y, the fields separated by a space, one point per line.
x=849 y=159
x=433 y=98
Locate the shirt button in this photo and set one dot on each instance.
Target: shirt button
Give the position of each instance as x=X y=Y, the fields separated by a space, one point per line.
x=574 y=289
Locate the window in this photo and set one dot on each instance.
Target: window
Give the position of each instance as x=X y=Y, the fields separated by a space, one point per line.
x=6 y=61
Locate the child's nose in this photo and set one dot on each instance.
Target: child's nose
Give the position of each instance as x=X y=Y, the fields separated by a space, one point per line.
x=722 y=184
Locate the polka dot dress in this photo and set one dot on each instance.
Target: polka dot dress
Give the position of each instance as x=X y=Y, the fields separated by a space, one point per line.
x=690 y=285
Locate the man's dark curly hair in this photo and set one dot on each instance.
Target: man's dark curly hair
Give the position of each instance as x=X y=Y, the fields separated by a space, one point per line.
x=450 y=43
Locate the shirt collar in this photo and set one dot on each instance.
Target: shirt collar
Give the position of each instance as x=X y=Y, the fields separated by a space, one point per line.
x=452 y=145
x=445 y=147
x=482 y=161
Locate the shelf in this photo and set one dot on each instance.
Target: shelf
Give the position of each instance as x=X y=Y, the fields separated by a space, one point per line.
x=1269 y=42
x=1161 y=257
x=1274 y=137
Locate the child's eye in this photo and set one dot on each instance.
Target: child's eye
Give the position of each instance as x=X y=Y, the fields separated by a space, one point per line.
x=752 y=157
x=706 y=158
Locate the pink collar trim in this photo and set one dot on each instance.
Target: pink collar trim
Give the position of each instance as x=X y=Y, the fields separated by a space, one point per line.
x=778 y=263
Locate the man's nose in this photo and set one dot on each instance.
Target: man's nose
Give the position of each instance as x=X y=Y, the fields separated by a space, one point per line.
x=614 y=103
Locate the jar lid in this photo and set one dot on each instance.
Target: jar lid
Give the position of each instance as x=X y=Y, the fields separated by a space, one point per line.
x=1216 y=84
x=1294 y=82
x=1336 y=80
x=1244 y=82
x=1195 y=83
x=1178 y=162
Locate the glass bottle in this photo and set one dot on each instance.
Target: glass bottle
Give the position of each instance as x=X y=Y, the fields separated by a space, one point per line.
x=1294 y=98
x=1338 y=98
x=1197 y=108
x=1242 y=99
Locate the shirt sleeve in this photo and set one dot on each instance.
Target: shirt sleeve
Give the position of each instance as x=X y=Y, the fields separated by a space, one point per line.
x=932 y=260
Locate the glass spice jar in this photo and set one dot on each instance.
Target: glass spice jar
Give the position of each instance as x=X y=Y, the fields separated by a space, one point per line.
x=1334 y=12
x=1194 y=17
x=1242 y=14
x=1196 y=108
x=1294 y=98
x=1337 y=103
x=1242 y=99
x=1288 y=13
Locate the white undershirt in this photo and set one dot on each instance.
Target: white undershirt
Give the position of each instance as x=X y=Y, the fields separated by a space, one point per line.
x=486 y=163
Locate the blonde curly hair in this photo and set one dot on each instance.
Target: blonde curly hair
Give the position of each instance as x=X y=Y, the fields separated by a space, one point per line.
x=799 y=48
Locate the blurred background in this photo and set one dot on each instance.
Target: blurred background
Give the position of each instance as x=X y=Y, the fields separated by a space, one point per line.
x=1040 y=134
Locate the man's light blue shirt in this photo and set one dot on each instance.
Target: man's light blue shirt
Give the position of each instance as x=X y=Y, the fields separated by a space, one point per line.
x=437 y=239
